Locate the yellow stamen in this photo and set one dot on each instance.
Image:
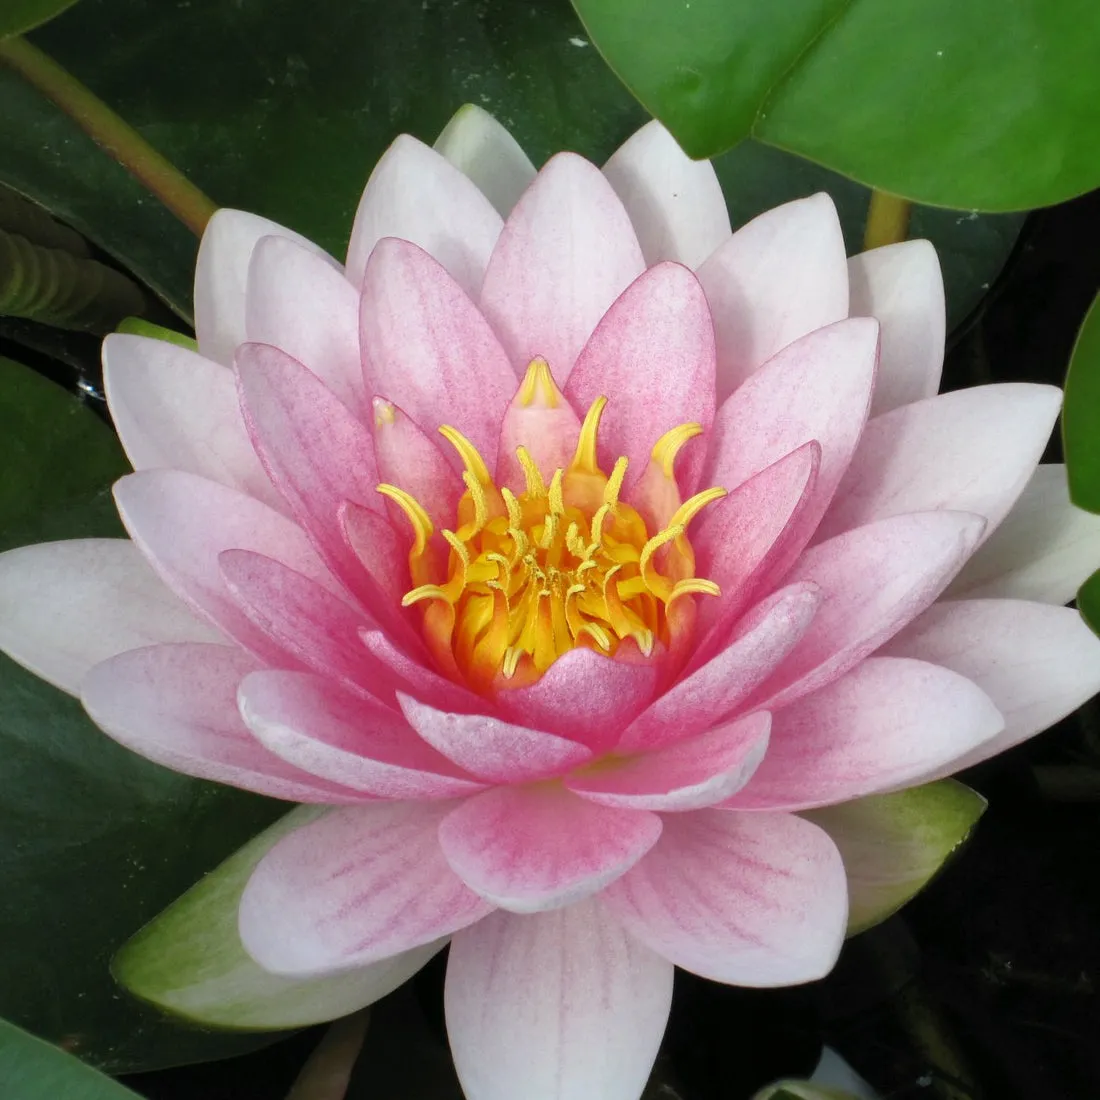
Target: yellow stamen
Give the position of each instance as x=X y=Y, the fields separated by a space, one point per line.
x=584 y=458
x=538 y=386
x=671 y=443
x=414 y=511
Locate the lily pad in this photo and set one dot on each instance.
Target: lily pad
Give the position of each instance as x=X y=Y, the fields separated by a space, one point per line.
x=1081 y=415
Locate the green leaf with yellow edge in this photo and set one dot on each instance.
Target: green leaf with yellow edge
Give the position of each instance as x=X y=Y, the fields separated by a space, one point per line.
x=189 y=960
x=138 y=326
x=894 y=844
x=17 y=16
x=1081 y=414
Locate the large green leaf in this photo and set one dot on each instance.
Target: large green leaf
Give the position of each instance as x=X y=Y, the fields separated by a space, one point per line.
x=94 y=841
x=987 y=104
x=18 y=16
x=285 y=117
x=1081 y=415
x=33 y=1070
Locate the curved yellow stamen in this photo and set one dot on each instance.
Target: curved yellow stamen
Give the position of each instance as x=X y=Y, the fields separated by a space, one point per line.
x=414 y=511
x=584 y=458
x=538 y=386
x=666 y=449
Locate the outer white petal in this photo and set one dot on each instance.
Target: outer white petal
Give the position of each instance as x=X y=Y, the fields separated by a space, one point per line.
x=1044 y=549
x=66 y=606
x=556 y=1006
x=480 y=147
x=675 y=203
x=221 y=275
x=901 y=286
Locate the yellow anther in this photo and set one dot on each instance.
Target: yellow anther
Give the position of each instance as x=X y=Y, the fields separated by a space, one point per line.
x=536 y=487
x=384 y=413
x=515 y=512
x=694 y=505
x=614 y=484
x=477 y=497
x=671 y=443
x=660 y=586
x=557 y=501
x=695 y=586
x=538 y=386
x=414 y=512
x=470 y=455
x=584 y=458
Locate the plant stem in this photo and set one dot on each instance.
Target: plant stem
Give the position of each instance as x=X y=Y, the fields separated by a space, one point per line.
x=327 y=1071
x=887 y=220
x=111 y=133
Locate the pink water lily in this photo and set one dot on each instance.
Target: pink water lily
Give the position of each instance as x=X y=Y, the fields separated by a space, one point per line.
x=568 y=546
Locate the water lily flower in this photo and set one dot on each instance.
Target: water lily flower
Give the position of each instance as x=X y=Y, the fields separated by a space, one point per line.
x=582 y=561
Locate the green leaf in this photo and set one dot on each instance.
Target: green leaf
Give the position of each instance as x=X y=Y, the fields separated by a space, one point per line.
x=136 y=326
x=1088 y=602
x=18 y=16
x=291 y=127
x=801 y=1090
x=894 y=844
x=989 y=104
x=1081 y=414
x=94 y=841
x=190 y=961
x=33 y=1070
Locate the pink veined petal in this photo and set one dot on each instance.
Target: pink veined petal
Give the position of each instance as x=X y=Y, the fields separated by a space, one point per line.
x=417 y=195
x=1045 y=548
x=873 y=580
x=545 y=424
x=175 y=410
x=66 y=606
x=358 y=885
x=901 y=286
x=527 y=849
x=690 y=774
x=306 y=620
x=350 y=740
x=818 y=388
x=751 y=536
x=675 y=203
x=491 y=749
x=779 y=277
x=584 y=696
x=415 y=678
x=566 y=253
x=714 y=690
x=426 y=348
x=177 y=705
x=407 y=458
x=748 y=899
x=1037 y=663
x=972 y=450
x=221 y=276
x=484 y=150
x=653 y=354
x=315 y=450
x=562 y=1004
x=883 y=726
x=303 y=306
x=181 y=523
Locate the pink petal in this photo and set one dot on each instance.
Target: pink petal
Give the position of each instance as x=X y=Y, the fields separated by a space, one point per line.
x=532 y=848
x=492 y=749
x=66 y=606
x=314 y=449
x=358 y=885
x=562 y=1004
x=1037 y=663
x=482 y=149
x=768 y=633
x=688 y=775
x=545 y=424
x=181 y=523
x=901 y=286
x=566 y=253
x=750 y=536
x=174 y=409
x=653 y=355
x=971 y=451
x=675 y=203
x=414 y=677
x=303 y=306
x=746 y=899
x=427 y=349
x=415 y=194
x=584 y=696
x=818 y=388
x=306 y=620
x=881 y=727
x=1045 y=548
x=873 y=581
x=779 y=277
x=221 y=275
x=177 y=705
x=407 y=458
x=350 y=740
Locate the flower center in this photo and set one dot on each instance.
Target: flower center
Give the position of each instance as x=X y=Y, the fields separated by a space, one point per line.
x=525 y=576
